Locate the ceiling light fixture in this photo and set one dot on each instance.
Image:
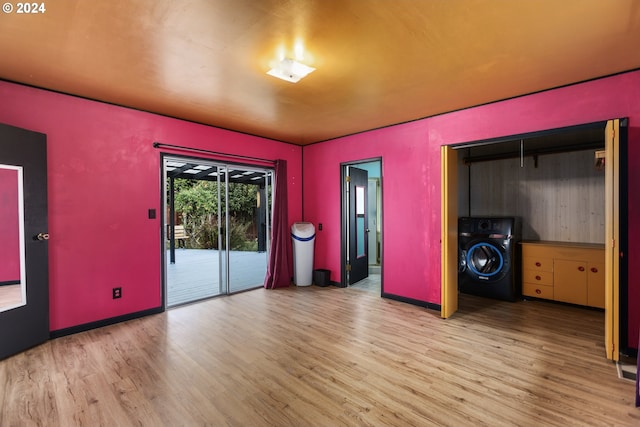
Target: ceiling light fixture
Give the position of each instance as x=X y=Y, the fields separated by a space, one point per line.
x=290 y=70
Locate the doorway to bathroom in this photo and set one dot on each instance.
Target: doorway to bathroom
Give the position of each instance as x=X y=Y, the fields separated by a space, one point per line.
x=362 y=225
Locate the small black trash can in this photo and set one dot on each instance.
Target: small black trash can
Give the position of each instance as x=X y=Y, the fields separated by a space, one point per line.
x=322 y=277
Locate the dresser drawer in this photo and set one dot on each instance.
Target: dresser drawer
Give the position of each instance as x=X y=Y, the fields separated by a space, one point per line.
x=538 y=291
x=538 y=277
x=537 y=263
x=571 y=272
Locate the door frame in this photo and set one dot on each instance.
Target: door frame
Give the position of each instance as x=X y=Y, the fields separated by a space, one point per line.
x=224 y=251
x=27 y=325
x=358 y=260
x=615 y=229
x=378 y=206
x=344 y=218
x=449 y=231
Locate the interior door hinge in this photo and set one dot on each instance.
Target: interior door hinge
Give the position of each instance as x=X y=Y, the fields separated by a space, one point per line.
x=613 y=243
x=348 y=267
x=347 y=179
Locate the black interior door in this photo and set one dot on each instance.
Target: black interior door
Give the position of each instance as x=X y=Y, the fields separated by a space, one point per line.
x=26 y=324
x=358 y=231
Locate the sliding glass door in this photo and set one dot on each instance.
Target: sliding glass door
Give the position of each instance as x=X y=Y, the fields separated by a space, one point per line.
x=217 y=228
x=249 y=229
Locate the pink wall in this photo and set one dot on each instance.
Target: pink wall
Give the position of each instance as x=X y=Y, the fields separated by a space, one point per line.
x=411 y=177
x=104 y=175
x=411 y=256
x=9 y=227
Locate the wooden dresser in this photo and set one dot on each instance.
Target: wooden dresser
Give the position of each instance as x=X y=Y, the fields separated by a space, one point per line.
x=564 y=271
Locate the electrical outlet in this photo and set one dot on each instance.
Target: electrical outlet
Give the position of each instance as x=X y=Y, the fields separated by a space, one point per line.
x=117 y=293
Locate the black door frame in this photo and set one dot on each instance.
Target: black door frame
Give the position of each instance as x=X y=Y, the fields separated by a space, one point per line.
x=26 y=326
x=344 y=218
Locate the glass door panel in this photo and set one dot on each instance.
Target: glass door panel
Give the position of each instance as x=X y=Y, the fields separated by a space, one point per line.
x=217 y=228
x=361 y=227
x=13 y=290
x=249 y=227
x=194 y=191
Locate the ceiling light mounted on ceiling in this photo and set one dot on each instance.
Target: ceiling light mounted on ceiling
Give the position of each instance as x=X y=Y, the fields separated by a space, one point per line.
x=290 y=70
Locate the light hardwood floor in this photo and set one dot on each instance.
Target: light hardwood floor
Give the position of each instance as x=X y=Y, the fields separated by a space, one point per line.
x=314 y=356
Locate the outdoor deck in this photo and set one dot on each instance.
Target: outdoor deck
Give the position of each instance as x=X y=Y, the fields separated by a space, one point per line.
x=195 y=274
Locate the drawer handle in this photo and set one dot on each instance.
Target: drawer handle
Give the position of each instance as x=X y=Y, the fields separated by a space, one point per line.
x=538 y=291
x=538 y=264
x=581 y=268
x=538 y=278
x=594 y=270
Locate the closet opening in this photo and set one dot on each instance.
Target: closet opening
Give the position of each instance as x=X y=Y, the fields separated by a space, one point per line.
x=565 y=188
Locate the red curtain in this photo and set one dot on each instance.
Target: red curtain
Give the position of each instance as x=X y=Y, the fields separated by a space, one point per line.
x=280 y=267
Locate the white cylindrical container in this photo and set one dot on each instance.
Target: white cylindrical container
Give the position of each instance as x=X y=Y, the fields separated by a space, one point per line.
x=303 y=236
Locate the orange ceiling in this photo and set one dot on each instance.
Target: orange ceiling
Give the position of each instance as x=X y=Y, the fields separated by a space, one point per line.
x=378 y=62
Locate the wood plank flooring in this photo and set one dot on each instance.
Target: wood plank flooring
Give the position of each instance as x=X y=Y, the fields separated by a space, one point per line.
x=313 y=356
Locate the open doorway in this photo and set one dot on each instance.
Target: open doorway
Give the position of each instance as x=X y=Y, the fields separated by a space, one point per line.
x=578 y=198
x=217 y=228
x=362 y=225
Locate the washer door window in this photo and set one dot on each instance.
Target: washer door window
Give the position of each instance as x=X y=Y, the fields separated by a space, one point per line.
x=485 y=261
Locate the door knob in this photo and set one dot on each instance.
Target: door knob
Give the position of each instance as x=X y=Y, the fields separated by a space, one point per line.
x=41 y=236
